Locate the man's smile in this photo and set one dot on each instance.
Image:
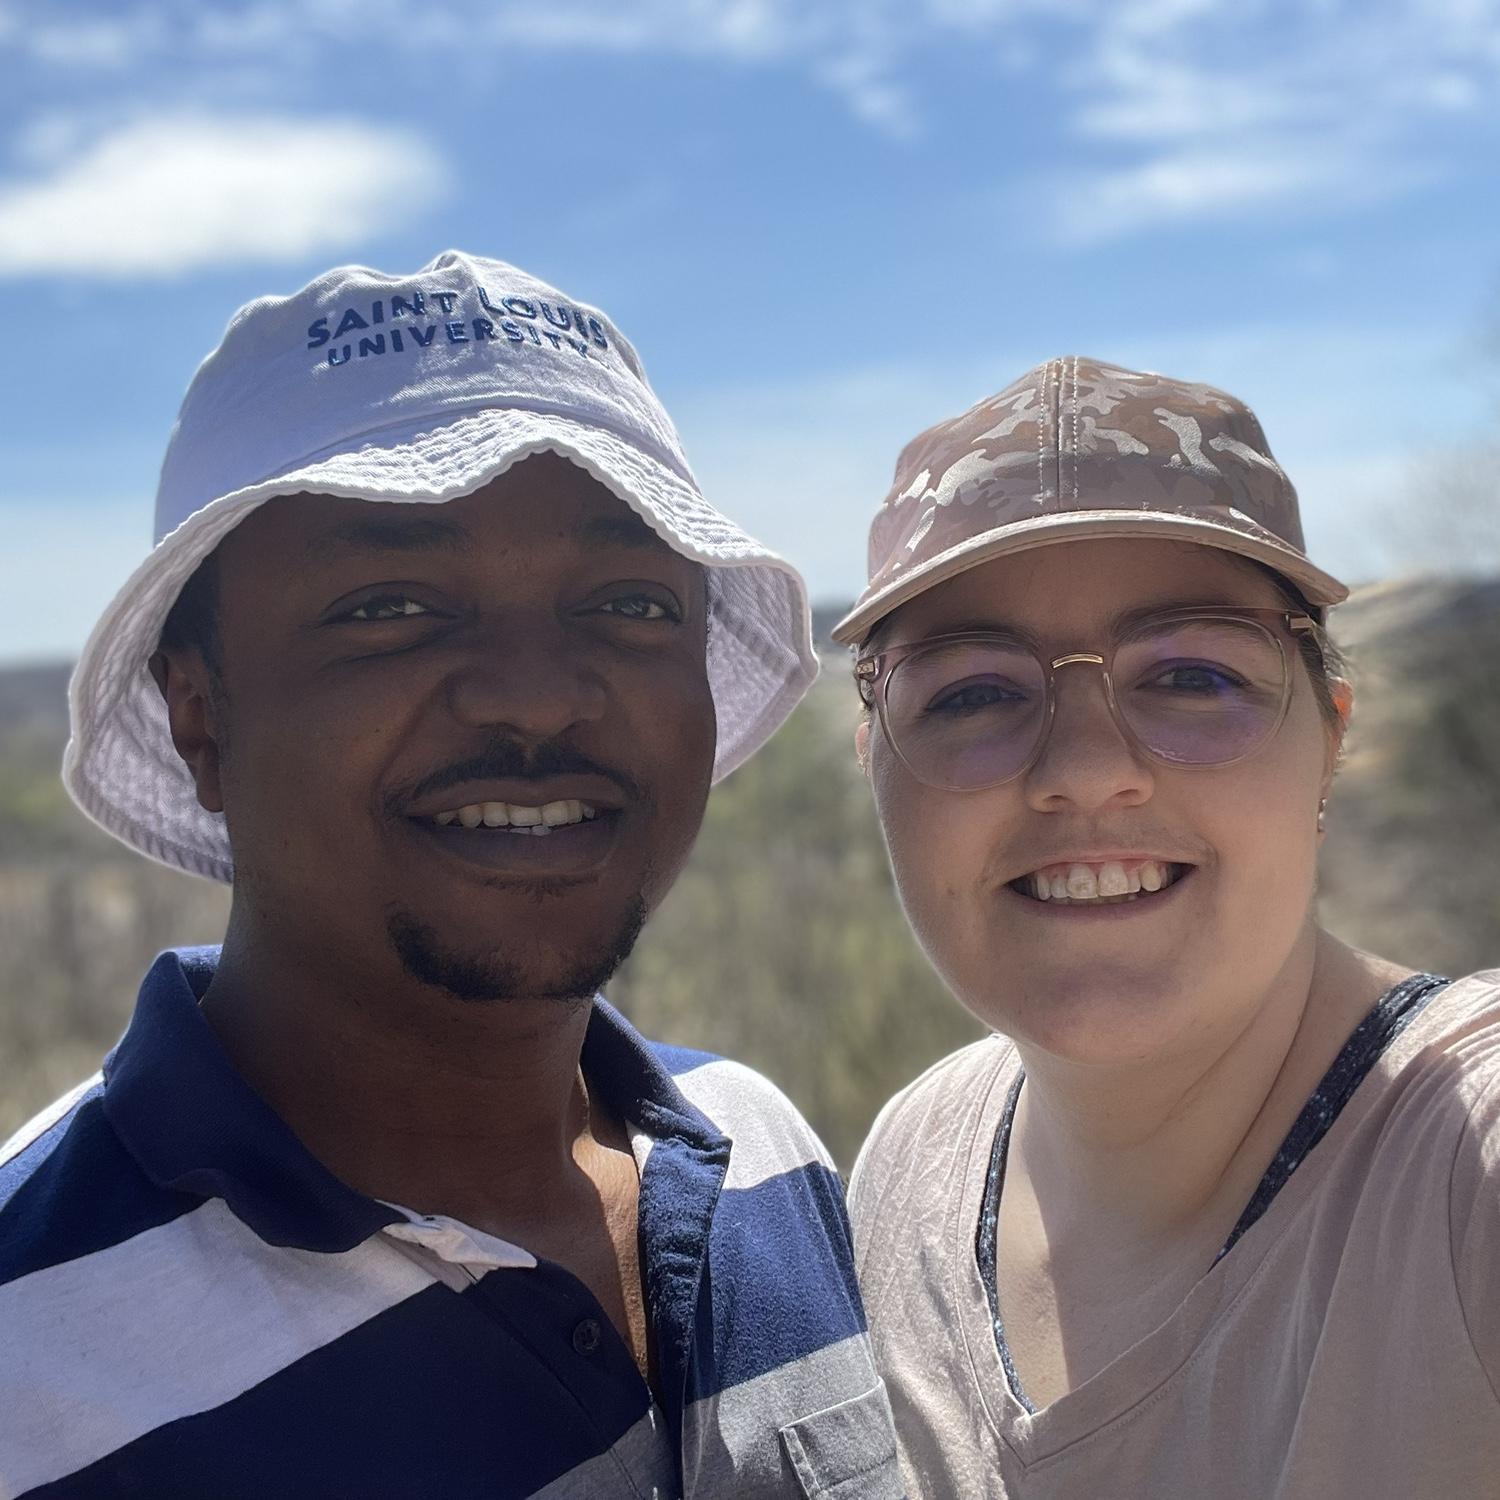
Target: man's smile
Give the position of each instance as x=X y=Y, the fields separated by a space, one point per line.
x=518 y=818
x=553 y=826
x=578 y=846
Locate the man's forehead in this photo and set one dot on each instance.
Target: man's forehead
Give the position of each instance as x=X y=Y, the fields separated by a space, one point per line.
x=508 y=512
x=374 y=531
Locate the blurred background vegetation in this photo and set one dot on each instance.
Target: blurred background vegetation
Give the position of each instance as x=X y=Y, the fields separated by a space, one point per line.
x=783 y=945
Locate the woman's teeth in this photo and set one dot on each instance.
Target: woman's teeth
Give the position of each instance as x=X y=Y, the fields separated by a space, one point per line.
x=517 y=819
x=1112 y=881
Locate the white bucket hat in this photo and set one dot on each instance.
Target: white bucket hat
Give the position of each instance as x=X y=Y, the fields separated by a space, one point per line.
x=417 y=388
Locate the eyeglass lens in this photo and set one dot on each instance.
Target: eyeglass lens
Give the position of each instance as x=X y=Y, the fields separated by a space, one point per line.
x=1201 y=691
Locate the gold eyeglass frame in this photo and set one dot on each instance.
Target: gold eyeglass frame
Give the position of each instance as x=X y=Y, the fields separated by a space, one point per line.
x=872 y=675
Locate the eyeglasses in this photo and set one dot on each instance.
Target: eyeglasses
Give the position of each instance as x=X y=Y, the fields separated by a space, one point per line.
x=1188 y=687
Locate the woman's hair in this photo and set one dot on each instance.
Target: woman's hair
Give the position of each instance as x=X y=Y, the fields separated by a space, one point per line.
x=1323 y=660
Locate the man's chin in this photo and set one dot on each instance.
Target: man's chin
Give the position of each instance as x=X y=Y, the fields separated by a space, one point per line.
x=527 y=971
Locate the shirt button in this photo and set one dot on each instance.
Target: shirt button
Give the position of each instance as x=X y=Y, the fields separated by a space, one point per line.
x=586 y=1336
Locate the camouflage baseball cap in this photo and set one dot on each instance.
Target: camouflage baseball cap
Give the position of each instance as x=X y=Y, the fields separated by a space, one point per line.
x=1077 y=449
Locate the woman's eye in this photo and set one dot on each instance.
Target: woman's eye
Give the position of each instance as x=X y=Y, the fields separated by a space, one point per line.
x=971 y=696
x=387 y=607
x=1196 y=678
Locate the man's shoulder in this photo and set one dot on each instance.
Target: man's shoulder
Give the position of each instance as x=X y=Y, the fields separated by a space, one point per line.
x=70 y=1190
x=43 y=1166
x=32 y=1145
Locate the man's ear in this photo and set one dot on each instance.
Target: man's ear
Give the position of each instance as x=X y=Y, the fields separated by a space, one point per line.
x=862 y=745
x=194 y=713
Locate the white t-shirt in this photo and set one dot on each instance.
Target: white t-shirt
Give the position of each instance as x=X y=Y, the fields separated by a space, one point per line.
x=1347 y=1346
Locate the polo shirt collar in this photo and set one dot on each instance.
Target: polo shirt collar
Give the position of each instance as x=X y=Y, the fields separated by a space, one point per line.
x=194 y=1125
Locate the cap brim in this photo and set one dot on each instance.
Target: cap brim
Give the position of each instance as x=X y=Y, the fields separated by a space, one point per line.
x=1321 y=589
x=120 y=765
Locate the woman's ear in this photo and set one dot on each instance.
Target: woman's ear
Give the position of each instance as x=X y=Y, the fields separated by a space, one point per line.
x=862 y=745
x=1341 y=690
x=1343 y=700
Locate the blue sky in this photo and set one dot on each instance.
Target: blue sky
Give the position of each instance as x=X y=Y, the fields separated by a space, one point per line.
x=824 y=225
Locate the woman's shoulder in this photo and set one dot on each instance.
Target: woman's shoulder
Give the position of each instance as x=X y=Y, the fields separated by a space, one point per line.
x=1455 y=1039
x=1453 y=1060
x=1461 y=1057
x=922 y=1122
x=1430 y=1085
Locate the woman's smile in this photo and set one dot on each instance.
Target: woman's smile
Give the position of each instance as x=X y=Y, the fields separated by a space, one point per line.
x=1109 y=877
x=1071 y=883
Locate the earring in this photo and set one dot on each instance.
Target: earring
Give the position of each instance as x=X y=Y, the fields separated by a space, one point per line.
x=1322 y=814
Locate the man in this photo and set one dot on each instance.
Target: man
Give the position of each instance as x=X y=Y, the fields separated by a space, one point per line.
x=435 y=658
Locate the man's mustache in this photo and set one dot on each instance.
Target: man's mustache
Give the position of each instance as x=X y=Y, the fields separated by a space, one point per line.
x=507 y=758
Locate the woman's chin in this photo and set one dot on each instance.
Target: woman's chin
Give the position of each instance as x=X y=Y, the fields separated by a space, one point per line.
x=1092 y=1014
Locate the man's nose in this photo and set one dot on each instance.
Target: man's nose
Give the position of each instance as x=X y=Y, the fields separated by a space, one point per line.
x=524 y=673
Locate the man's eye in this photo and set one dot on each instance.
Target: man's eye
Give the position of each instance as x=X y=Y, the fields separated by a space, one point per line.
x=386 y=607
x=640 y=607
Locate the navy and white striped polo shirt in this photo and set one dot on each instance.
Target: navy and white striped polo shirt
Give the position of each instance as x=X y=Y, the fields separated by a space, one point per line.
x=192 y=1305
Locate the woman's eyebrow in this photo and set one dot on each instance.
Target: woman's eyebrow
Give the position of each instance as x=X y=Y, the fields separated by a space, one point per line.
x=1124 y=620
x=993 y=626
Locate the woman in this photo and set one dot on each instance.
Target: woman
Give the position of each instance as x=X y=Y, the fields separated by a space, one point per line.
x=1217 y=1211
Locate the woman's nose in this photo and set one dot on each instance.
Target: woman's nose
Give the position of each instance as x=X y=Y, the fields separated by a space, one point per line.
x=1086 y=761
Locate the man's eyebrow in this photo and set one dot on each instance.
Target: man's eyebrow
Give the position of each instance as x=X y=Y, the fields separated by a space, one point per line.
x=605 y=533
x=365 y=534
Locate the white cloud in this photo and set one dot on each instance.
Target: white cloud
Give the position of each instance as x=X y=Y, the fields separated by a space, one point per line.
x=1143 y=85
x=165 y=195
x=1206 y=183
x=1225 y=109
x=742 y=30
x=95 y=43
x=861 y=80
x=851 y=47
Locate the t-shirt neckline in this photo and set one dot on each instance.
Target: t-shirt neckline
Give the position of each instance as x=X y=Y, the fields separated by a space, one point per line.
x=1366 y=1044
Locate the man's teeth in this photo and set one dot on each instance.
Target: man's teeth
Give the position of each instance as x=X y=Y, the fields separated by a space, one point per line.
x=509 y=815
x=1107 y=882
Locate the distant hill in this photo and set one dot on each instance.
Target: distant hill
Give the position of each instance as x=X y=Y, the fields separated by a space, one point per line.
x=33 y=707
x=824 y=617
x=1412 y=867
